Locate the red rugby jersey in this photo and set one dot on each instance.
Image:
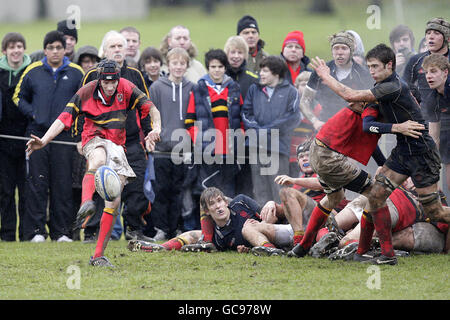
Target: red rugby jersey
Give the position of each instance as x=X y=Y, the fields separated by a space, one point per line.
x=343 y=133
x=105 y=119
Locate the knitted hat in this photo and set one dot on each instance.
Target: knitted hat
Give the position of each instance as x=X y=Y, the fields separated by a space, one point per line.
x=439 y=25
x=67 y=27
x=296 y=37
x=247 y=22
x=343 y=37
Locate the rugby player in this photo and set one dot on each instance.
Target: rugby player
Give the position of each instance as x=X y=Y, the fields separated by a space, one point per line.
x=415 y=154
x=105 y=103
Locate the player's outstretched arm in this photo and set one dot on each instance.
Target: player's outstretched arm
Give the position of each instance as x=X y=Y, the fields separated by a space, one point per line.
x=154 y=135
x=36 y=143
x=346 y=93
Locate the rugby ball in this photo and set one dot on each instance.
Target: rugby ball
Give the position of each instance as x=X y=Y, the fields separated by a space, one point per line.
x=107 y=183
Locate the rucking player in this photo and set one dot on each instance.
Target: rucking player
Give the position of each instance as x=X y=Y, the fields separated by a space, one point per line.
x=415 y=154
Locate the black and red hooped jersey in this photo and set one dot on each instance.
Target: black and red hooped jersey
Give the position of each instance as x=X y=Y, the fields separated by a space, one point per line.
x=105 y=118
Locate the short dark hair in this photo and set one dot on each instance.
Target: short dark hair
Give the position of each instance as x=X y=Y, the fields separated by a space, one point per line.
x=12 y=37
x=208 y=194
x=383 y=53
x=147 y=54
x=276 y=65
x=216 y=54
x=54 y=36
x=399 y=31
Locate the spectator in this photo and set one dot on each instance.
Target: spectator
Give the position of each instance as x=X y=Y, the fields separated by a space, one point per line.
x=293 y=52
x=215 y=103
x=150 y=64
x=305 y=130
x=103 y=143
x=271 y=104
x=437 y=105
x=422 y=45
x=136 y=204
x=43 y=90
x=70 y=32
x=402 y=42
x=179 y=37
x=12 y=158
x=237 y=53
x=87 y=58
x=171 y=96
x=344 y=70
x=247 y=28
x=358 y=54
x=437 y=35
x=132 y=53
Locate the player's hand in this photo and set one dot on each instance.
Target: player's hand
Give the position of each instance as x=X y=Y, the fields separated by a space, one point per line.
x=268 y=212
x=284 y=180
x=408 y=128
x=35 y=143
x=320 y=67
x=151 y=139
x=318 y=124
x=242 y=249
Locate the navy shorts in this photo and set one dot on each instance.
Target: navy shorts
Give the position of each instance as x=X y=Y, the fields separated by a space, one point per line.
x=444 y=146
x=424 y=169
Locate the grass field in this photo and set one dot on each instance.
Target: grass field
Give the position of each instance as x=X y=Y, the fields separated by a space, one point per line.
x=43 y=271
x=275 y=19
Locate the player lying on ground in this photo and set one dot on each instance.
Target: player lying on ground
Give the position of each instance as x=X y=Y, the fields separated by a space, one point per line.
x=105 y=103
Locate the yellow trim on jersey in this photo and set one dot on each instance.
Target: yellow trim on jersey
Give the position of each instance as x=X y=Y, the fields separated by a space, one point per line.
x=15 y=97
x=142 y=78
x=86 y=76
x=105 y=121
x=219 y=108
x=187 y=121
x=73 y=105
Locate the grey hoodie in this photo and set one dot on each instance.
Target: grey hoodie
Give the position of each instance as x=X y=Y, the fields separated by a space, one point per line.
x=172 y=102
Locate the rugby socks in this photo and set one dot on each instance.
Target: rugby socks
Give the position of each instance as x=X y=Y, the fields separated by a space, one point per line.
x=207 y=225
x=88 y=186
x=383 y=224
x=174 y=243
x=106 y=225
x=267 y=244
x=321 y=233
x=318 y=218
x=298 y=236
x=366 y=233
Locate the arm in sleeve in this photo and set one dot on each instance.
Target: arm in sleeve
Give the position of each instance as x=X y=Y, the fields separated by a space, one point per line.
x=23 y=96
x=191 y=117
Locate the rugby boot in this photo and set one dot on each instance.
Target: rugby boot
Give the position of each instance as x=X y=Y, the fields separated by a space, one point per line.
x=382 y=259
x=267 y=251
x=323 y=247
x=298 y=251
x=100 y=262
x=87 y=209
x=200 y=246
x=346 y=253
x=138 y=245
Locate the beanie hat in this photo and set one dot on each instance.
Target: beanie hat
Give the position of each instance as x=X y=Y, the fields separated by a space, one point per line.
x=439 y=25
x=296 y=37
x=63 y=26
x=246 y=22
x=343 y=37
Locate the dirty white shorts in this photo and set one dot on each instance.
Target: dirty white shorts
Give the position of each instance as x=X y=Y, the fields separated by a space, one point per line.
x=115 y=156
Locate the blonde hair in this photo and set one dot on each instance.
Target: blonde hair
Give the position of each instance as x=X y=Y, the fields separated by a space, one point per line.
x=178 y=53
x=436 y=60
x=236 y=42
